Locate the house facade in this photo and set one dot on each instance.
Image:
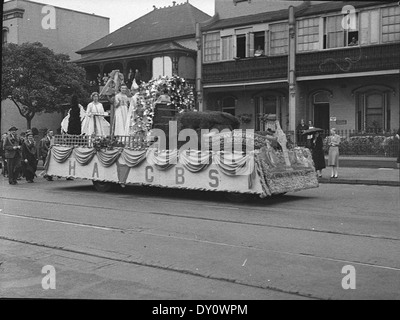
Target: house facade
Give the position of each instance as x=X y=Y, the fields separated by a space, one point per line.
x=335 y=63
x=62 y=30
x=160 y=43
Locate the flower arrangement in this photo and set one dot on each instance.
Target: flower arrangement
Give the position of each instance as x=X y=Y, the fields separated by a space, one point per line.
x=173 y=90
x=107 y=143
x=245 y=117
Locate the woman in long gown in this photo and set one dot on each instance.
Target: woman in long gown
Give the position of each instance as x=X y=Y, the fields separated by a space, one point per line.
x=130 y=119
x=96 y=124
x=317 y=151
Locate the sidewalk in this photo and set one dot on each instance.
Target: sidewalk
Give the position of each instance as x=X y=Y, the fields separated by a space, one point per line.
x=365 y=176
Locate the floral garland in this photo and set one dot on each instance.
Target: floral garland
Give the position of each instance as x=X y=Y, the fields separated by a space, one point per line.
x=173 y=90
x=108 y=143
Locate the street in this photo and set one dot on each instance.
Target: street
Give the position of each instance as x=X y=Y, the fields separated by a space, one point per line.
x=150 y=243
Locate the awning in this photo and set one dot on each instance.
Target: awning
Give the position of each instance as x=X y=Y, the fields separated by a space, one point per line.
x=131 y=52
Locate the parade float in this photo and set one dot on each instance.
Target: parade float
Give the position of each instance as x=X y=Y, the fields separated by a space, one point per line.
x=233 y=161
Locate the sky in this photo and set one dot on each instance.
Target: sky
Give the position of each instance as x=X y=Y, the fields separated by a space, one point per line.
x=122 y=12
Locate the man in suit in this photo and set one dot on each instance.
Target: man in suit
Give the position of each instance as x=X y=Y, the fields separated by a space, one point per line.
x=12 y=150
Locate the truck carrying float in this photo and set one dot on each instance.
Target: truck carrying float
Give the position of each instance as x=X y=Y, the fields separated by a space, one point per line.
x=237 y=162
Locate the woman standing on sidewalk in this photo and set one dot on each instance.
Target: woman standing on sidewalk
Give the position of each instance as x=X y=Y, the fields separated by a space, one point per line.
x=317 y=151
x=333 y=156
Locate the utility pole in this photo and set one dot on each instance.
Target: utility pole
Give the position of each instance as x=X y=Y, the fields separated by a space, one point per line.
x=292 y=73
x=199 y=89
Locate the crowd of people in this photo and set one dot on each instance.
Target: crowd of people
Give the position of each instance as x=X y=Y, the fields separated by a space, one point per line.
x=312 y=139
x=20 y=154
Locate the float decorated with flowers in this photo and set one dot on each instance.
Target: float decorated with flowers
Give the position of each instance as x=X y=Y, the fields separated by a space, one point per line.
x=189 y=150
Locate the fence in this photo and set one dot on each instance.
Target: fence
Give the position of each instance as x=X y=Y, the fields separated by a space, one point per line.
x=371 y=143
x=137 y=142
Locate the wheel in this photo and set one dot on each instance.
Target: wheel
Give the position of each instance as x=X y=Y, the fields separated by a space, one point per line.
x=238 y=197
x=102 y=186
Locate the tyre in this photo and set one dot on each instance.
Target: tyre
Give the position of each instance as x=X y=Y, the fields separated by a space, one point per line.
x=103 y=186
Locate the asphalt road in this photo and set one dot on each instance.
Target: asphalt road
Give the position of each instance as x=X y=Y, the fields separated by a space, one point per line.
x=149 y=243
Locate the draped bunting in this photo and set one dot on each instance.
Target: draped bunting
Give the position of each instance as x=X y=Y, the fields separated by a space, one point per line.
x=234 y=163
x=61 y=154
x=84 y=155
x=163 y=160
x=194 y=160
x=132 y=158
x=231 y=164
x=108 y=157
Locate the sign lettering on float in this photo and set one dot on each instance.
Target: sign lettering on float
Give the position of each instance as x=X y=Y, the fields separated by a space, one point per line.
x=72 y=168
x=213 y=175
x=95 y=170
x=179 y=175
x=149 y=179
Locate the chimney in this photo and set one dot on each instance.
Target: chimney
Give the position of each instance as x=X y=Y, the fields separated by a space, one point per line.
x=154 y=7
x=174 y=3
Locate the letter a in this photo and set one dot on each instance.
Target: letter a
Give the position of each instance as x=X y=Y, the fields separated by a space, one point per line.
x=49 y=281
x=349 y=281
x=49 y=20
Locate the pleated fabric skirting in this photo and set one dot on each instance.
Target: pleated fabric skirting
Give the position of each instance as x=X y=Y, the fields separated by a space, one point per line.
x=333 y=156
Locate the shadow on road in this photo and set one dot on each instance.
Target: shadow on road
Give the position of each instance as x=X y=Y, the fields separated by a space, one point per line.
x=181 y=194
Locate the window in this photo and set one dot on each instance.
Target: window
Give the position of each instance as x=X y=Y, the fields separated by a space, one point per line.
x=228 y=105
x=259 y=43
x=279 y=34
x=241 y=46
x=308 y=35
x=390 y=24
x=5 y=36
x=373 y=111
x=227 y=48
x=335 y=36
x=162 y=66
x=369 y=27
x=212 y=47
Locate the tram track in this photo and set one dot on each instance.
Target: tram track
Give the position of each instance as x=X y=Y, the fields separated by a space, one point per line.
x=253 y=248
x=160 y=267
x=12 y=206
x=173 y=215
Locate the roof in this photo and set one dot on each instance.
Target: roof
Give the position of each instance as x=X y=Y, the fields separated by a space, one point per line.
x=300 y=11
x=18 y=2
x=177 y=21
x=132 y=51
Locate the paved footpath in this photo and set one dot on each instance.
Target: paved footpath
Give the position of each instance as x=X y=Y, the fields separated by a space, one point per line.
x=367 y=176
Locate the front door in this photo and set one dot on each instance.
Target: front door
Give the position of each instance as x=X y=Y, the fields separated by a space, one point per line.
x=321 y=116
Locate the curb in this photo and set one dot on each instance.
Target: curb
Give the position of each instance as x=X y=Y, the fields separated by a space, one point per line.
x=362 y=182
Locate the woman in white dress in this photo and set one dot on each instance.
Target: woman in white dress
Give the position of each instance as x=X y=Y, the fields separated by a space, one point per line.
x=96 y=124
x=130 y=119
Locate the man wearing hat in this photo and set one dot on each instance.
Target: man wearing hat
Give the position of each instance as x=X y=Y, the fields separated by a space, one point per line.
x=29 y=157
x=12 y=150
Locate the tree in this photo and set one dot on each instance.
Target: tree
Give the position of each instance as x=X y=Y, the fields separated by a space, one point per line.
x=38 y=80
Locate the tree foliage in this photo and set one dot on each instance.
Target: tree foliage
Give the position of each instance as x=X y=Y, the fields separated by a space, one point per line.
x=39 y=80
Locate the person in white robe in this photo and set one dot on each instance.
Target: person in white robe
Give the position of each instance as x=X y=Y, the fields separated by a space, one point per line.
x=121 y=103
x=96 y=124
x=130 y=120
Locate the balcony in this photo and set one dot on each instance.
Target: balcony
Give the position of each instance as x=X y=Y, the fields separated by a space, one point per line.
x=349 y=60
x=246 y=69
x=333 y=61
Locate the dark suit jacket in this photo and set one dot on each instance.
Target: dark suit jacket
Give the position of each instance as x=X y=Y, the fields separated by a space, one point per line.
x=9 y=144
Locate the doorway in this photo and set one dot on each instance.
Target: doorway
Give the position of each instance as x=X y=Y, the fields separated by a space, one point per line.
x=321 y=116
